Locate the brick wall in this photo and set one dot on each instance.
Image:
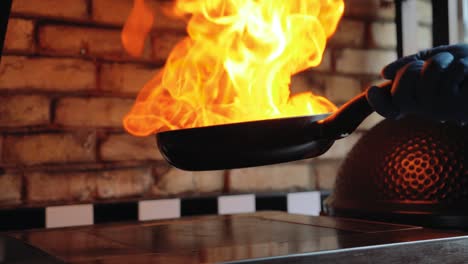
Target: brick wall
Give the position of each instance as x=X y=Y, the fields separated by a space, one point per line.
x=66 y=82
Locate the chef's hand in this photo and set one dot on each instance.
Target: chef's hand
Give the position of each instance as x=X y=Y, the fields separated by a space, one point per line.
x=429 y=84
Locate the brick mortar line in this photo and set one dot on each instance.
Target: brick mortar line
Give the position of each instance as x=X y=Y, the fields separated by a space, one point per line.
x=103 y=58
x=55 y=129
x=341 y=74
x=366 y=46
x=87 y=22
x=50 y=55
x=364 y=49
x=89 y=8
x=65 y=21
x=24 y=188
x=91 y=94
x=368 y=19
x=325 y=160
x=79 y=167
x=98 y=77
x=100 y=138
x=92 y=24
x=425 y=24
x=52 y=109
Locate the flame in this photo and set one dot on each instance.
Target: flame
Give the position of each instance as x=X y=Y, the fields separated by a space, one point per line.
x=136 y=28
x=236 y=64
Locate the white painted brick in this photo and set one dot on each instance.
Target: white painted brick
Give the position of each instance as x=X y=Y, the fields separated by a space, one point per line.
x=326 y=172
x=371 y=121
x=424 y=37
x=374 y=9
x=341 y=147
x=356 y=61
x=280 y=177
x=383 y=34
x=340 y=89
x=424 y=8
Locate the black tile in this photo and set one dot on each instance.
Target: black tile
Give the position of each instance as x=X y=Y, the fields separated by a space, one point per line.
x=323 y=195
x=198 y=206
x=276 y=203
x=22 y=218
x=115 y=212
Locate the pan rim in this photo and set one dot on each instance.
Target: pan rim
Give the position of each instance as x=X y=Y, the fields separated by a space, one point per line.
x=316 y=118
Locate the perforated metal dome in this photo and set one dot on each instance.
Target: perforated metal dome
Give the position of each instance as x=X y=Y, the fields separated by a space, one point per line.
x=410 y=170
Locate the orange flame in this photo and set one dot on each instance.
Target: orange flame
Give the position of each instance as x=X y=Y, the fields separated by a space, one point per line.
x=236 y=64
x=136 y=28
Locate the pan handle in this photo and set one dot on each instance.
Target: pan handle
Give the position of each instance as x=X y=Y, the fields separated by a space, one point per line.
x=349 y=116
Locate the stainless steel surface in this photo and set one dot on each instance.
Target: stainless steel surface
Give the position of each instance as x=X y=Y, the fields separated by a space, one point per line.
x=15 y=251
x=259 y=237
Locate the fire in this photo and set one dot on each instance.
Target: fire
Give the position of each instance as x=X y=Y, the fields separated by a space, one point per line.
x=136 y=29
x=236 y=64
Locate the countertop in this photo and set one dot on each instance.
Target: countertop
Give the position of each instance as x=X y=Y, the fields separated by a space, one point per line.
x=262 y=237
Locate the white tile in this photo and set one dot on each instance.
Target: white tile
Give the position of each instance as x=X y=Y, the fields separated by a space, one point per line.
x=235 y=204
x=306 y=203
x=158 y=209
x=69 y=215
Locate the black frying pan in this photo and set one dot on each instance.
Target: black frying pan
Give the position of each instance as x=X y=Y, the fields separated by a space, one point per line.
x=262 y=142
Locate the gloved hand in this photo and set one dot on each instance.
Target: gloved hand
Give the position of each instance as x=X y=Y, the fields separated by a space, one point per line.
x=430 y=84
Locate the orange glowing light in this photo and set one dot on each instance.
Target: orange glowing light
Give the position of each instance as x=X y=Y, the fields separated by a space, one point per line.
x=236 y=64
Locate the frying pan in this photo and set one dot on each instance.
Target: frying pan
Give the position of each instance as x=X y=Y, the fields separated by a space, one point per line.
x=264 y=142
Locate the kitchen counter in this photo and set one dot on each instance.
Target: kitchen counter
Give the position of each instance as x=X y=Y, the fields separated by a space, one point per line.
x=263 y=237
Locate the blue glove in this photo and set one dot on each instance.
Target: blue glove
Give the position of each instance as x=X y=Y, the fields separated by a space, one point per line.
x=429 y=84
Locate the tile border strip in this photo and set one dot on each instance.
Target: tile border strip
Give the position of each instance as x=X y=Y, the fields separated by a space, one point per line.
x=307 y=203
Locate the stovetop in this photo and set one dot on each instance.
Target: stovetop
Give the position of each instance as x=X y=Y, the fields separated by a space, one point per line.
x=264 y=237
